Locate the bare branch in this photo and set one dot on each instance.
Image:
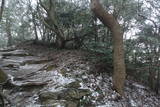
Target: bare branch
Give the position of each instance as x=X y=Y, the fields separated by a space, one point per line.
x=144 y=17
x=44 y=7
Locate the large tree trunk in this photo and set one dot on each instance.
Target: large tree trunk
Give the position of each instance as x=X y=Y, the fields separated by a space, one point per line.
x=3 y=76
x=55 y=26
x=52 y=23
x=117 y=33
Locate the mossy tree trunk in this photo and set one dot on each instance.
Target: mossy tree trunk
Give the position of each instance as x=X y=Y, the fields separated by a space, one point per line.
x=117 y=34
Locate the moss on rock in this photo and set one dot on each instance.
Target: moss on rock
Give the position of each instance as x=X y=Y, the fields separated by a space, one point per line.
x=3 y=76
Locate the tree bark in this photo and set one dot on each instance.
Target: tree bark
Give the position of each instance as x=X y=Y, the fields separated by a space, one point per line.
x=94 y=24
x=53 y=24
x=1 y=9
x=8 y=32
x=108 y=20
x=3 y=76
x=35 y=27
x=33 y=21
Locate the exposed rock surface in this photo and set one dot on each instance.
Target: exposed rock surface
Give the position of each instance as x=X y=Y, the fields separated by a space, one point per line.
x=70 y=95
x=3 y=76
x=65 y=78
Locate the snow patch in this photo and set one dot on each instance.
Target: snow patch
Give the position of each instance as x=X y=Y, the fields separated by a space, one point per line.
x=133 y=103
x=59 y=78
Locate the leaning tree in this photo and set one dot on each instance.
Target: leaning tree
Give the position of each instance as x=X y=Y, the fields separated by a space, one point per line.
x=117 y=33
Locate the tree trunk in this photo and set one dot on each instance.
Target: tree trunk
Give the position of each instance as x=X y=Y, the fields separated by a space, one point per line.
x=52 y=23
x=56 y=28
x=1 y=9
x=94 y=24
x=158 y=72
x=34 y=26
x=3 y=75
x=33 y=21
x=8 y=32
x=118 y=55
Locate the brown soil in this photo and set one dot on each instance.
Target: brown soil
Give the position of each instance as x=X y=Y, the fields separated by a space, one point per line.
x=64 y=56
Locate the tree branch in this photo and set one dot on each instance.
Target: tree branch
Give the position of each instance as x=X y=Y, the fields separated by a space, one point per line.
x=144 y=17
x=40 y=2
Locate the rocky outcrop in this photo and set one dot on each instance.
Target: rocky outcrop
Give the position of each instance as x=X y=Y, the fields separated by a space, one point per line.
x=68 y=97
x=64 y=79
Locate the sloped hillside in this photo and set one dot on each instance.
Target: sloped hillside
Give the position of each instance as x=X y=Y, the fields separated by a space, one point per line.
x=44 y=77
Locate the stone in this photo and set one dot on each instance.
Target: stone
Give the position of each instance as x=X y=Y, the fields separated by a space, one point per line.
x=69 y=97
x=74 y=94
x=48 y=95
x=35 y=61
x=75 y=84
x=55 y=103
x=16 y=54
x=3 y=76
x=72 y=104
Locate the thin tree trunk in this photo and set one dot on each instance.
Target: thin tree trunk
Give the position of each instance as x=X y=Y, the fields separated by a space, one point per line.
x=33 y=21
x=35 y=26
x=158 y=72
x=94 y=24
x=8 y=32
x=118 y=55
x=1 y=9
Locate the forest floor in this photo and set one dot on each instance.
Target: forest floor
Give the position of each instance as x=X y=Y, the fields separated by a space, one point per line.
x=46 y=77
